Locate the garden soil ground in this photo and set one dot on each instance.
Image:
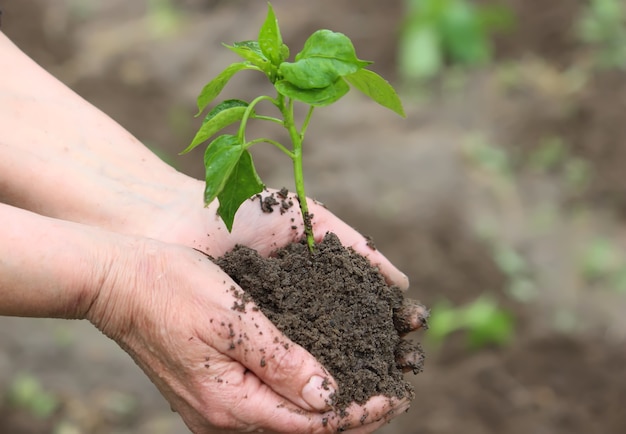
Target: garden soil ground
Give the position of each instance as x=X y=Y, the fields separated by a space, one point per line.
x=443 y=209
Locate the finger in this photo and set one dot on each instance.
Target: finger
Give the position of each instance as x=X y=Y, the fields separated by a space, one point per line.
x=373 y=414
x=324 y=221
x=258 y=407
x=251 y=405
x=409 y=357
x=411 y=316
x=255 y=342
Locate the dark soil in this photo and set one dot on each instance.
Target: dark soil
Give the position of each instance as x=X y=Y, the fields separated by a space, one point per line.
x=338 y=307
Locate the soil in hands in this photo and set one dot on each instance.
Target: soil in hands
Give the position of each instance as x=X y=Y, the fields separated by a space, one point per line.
x=337 y=306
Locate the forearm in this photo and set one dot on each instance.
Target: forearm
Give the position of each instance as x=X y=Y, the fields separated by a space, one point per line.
x=49 y=267
x=62 y=157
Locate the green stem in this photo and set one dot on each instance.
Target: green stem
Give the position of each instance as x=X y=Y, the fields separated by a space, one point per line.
x=305 y=124
x=268 y=118
x=298 y=173
x=248 y=113
x=271 y=142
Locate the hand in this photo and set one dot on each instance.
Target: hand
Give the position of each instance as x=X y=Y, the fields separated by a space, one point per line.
x=201 y=228
x=189 y=223
x=221 y=369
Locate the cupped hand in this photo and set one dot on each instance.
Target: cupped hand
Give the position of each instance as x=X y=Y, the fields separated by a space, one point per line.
x=262 y=228
x=221 y=364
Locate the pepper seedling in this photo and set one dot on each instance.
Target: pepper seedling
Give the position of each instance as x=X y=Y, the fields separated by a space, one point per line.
x=321 y=74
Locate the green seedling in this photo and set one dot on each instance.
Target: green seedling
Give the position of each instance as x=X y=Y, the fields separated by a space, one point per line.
x=603 y=26
x=26 y=392
x=437 y=33
x=483 y=320
x=321 y=73
x=603 y=262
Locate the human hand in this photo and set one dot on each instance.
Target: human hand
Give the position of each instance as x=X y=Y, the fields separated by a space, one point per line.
x=220 y=368
x=266 y=232
x=188 y=222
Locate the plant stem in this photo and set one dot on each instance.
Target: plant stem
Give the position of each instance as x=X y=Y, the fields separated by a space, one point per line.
x=271 y=142
x=248 y=113
x=305 y=124
x=298 y=173
x=268 y=118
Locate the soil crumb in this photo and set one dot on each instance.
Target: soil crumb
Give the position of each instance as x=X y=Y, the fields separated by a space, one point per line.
x=337 y=306
x=269 y=202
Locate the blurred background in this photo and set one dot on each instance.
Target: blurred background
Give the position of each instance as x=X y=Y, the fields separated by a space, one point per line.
x=502 y=195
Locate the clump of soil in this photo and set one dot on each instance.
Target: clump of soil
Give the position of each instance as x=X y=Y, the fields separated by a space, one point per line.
x=335 y=304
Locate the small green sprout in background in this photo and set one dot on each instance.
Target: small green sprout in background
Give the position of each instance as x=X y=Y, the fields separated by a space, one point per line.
x=483 y=320
x=26 y=392
x=437 y=33
x=487 y=157
x=553 y=155
x=164 y=18
x=320 y=75
x=603 y=262
x=603 y=26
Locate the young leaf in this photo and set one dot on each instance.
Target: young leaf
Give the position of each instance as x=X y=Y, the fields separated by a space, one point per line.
x=222 y=115
x=270 y=39
x=377 y=88
x=314 y=97
x=243 y=183
x=326 y=56
x=310 y=73
x=331 y=45
x=220 y=159
x=215 y=86
x=250 y=51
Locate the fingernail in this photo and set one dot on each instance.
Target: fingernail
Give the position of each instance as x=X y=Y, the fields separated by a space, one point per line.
x=318 y=393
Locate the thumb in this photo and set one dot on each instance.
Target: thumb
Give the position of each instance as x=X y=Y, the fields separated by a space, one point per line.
x=284 y=366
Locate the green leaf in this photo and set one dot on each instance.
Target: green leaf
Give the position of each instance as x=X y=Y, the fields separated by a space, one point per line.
x=487 y=323
x=222 y=115
x=443 y=321
x=215 y=86
x=270 y=39
x=377 y=88
x=331 y=45
x=310 y=73
x=250 y=51
x=243 y=183
x=220 y=159
x=314 y=97
x=326 y=56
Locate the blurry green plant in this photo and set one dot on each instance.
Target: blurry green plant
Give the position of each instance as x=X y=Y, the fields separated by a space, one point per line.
x=483 y=321
x=441 y=32
x=164 y=18
x=552 y=155
x=549 y=155
x=602 y=25
x=603 y=262
x=488 y=157
x=26 y=392
x=520 y=283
